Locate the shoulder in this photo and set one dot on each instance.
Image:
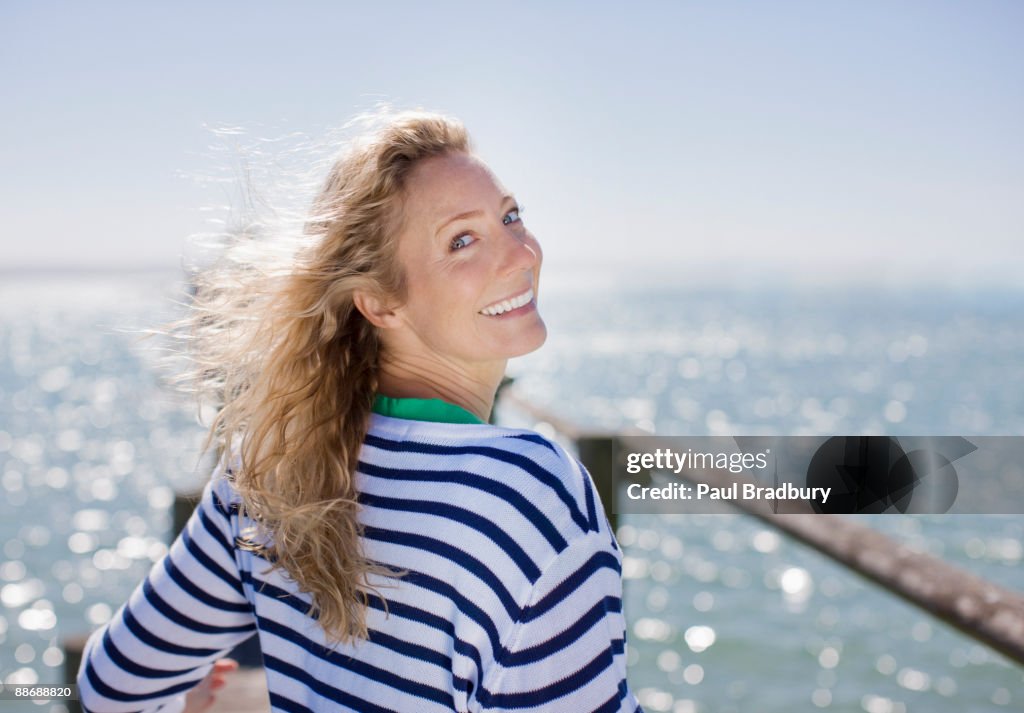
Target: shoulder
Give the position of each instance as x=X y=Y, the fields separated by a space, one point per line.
x=549 y=481
x=220 y=493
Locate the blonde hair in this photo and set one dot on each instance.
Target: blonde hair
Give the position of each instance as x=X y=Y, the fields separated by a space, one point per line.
x=294 y=367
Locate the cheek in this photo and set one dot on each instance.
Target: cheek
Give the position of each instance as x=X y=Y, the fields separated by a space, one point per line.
x=439 y=303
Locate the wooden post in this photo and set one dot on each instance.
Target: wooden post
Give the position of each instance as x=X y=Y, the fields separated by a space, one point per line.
x=73 y=648
x=595 y=451
x=184 y=504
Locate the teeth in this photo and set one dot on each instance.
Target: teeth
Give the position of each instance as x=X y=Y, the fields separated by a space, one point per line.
x=507 y=305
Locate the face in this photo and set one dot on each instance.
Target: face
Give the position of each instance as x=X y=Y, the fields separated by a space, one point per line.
x=471 y=266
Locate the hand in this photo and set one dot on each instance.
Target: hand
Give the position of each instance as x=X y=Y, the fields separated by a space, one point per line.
x=203 y=696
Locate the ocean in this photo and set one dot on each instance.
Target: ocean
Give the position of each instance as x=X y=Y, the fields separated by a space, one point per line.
x=725 y=615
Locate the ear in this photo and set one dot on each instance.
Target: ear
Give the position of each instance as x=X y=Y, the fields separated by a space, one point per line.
x=379 y=313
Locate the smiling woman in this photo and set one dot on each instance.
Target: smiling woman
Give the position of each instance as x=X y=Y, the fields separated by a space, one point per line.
x=391 y=549
x=471 y=273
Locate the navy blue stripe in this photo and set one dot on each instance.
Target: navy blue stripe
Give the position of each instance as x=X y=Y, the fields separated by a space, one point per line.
x=397 y=609
x=279 y=702
x=207 y=562
x=411 y=650
x=597 y=562
x=215 y=533
x=535 y=438
x=202 y=595
x=356 y=666
x=319 y=687
x=560 y=641
x=464 y=517
x=187 y=622
x=150 y=639
x=101 y=687
x=508 y=457
x=390 y=642
x=553 y=691
x=469 y=563
x=588 y=491
x=477 y=482
x=614 y=703
x=467 y=607
x=422 y=616
x=271 y=591
x=225 y=510
x=126 y=664
x=408 y=611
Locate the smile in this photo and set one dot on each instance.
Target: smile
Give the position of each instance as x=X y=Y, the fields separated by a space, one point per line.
x=506 y=305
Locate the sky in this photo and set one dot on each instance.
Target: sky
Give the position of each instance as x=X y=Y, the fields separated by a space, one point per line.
x=684 y=140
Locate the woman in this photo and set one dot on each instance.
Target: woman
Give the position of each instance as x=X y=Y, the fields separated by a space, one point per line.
x=392 y=550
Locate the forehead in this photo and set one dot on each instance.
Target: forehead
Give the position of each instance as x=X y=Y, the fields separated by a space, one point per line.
x=441 y=186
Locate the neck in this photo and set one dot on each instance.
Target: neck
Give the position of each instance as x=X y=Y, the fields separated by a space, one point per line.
x=425 y=378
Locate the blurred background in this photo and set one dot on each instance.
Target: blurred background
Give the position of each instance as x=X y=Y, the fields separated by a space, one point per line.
x=786 y=218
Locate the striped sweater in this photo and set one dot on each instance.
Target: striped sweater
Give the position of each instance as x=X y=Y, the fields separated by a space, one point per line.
x=511 y=598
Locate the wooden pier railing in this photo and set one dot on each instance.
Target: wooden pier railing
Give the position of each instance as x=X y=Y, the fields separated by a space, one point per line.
x=984 y=611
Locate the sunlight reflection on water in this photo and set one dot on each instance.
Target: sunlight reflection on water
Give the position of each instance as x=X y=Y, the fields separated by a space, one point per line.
x=724 y=614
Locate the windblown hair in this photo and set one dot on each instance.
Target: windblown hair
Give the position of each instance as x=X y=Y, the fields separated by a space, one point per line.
x=293 y=367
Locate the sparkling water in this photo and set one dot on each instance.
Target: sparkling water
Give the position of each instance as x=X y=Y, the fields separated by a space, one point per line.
x=724 y=614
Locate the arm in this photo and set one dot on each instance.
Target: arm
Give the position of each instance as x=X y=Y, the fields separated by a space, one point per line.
x=567 y=649
x=188 y=612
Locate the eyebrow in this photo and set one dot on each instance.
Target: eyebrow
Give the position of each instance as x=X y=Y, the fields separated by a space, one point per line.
x=470 y=214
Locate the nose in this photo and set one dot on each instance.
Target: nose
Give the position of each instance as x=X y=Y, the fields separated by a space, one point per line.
x=521 y=250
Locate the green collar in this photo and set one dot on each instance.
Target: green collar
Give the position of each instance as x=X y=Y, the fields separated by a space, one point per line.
x=434 y=410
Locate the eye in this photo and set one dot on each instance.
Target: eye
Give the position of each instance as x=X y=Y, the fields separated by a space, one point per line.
x=512 y=216
x=461 y=241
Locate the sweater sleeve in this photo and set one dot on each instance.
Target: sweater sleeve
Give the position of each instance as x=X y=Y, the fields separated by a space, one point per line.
x=567 y=649
x=189 y=611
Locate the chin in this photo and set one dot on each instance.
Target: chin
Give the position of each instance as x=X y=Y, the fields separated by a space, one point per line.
x=538 y=335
